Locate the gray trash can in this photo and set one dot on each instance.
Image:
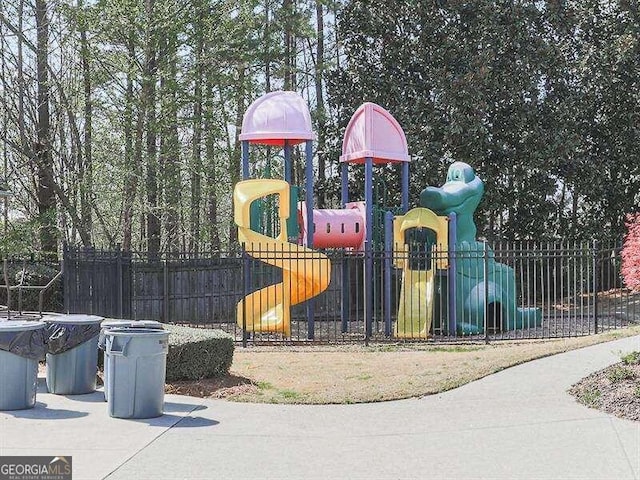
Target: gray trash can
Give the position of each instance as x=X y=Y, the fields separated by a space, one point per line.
x=136 y=359
x=110 y=324
x=72 y=353
x=22 y=345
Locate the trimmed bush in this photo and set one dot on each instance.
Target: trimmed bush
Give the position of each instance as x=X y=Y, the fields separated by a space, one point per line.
x=197 y=353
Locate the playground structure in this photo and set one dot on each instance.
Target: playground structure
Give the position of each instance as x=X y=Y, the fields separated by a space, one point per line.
x=432 y=246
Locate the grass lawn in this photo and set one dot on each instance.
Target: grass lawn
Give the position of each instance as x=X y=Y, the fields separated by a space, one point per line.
x=355 y=373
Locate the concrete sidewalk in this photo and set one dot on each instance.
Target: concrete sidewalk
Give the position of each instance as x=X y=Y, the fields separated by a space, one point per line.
x=517 y=424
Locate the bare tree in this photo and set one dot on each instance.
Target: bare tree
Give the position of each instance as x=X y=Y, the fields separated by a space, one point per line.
x=42 y=149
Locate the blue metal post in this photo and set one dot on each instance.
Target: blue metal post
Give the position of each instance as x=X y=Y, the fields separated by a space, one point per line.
x=452 y=274
x=345 y=183
x=345 y=306
x=246 y=288
x=405 y=187
x=245 y=160
x=309 y=205
x=287 y=162
x=246 y=262
x=368 y=248
x=388 y=256
x=309 y=191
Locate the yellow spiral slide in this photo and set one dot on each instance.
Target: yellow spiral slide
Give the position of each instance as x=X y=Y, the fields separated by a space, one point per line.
x=305 y=272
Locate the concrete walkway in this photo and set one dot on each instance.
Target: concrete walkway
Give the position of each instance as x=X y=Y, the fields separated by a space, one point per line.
x=517 y=424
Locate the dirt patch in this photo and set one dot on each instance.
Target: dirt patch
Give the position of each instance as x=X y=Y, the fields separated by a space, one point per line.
x=615 y=390
x=222 y=387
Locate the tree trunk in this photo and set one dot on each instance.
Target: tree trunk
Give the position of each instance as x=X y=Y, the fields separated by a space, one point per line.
x=211 y=138
x=42 y=150
x=289 y=45
x=196 y=149
x=149 y=101
x=85 y=169
x=132 y=153
x=267 y=46
x=25 y=145
x=234 y=163
x=320 y=109
x=169 y=146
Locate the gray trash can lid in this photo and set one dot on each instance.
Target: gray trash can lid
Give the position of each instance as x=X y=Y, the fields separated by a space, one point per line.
x=74 y=319
x=108 y=324
x=137 y=332
x=19 y=325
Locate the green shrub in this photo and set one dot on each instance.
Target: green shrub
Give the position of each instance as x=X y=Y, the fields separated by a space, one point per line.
x=632 y=358
x=590 y=397
x=617 y=374
x=197 y=353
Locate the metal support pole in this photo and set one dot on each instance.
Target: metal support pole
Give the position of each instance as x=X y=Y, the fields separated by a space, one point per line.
x=345 y=304
x=287 y=162
x=368 y=248
x=485 y=279
x=309 y=191
x=452 y=273
x=246 y=285
x=596 y=283
x=245 y=160
x=405 y=187
x=165 y=305
x=345 y=307
x=345 y=183
x=120 y=281
x=309 y=205
x=388 y=256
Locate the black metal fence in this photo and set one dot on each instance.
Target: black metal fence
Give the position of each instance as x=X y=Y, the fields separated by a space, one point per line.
x=30 y=284
x=532 y=291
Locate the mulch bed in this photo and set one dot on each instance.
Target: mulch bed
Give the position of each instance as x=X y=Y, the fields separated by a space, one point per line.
x=221 y=387
x=615 y=390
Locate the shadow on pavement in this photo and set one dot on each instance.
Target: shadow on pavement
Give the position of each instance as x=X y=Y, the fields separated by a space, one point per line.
x=177 y=421
x=94 y=397
x=43 y=412
x=182 y=407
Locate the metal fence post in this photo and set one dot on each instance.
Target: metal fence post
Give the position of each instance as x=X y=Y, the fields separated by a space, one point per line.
x=165 y=306
x=120 y=292
x=245 y=293
x=92 y=251
x=596 y=283
x=66 y=290
x=485 y=276
x=452 y=275
x=388 y=256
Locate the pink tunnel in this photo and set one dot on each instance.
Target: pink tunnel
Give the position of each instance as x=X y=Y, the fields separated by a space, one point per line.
x=337 y=228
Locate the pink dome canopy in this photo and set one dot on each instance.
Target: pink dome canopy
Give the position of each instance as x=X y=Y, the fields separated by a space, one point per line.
x=374 y=133
x=276 y=117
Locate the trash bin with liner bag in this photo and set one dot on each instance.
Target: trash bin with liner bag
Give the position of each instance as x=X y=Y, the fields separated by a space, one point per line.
x=22 y=345
x=72 y=353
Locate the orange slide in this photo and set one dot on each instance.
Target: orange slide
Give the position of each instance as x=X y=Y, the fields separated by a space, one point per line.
x=305 y=272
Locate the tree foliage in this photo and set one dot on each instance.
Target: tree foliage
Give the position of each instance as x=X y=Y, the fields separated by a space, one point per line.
x=540 y=97
x=119 y=119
